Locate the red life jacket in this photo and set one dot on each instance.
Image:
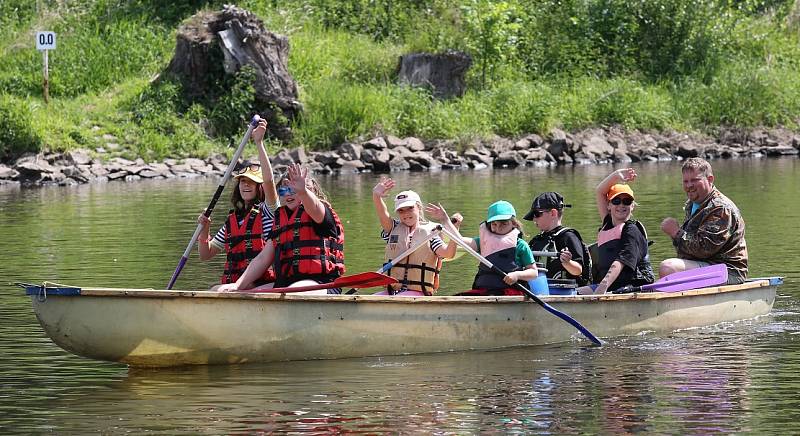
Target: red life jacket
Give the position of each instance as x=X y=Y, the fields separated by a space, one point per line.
x=242 y=244
x=300 y=251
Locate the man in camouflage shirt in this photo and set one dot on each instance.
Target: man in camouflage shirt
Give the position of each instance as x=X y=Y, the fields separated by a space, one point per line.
x=713 y=231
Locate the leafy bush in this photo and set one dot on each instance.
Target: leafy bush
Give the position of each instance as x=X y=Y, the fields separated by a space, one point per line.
x=233 y=108
x=744 y=96
x=93 y=54
x=17 y=135
x=654 y=38
x=493 y=28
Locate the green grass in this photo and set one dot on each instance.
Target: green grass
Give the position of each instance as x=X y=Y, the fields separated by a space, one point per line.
x=747 y=78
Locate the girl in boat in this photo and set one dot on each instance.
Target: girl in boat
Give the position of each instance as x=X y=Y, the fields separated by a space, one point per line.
x=418 y=274
x=623 y=257
x=500 y=240
x=245 y=231
x=307 y=239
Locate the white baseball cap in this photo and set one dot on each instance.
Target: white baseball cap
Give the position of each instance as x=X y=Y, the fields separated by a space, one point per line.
x=405 y=199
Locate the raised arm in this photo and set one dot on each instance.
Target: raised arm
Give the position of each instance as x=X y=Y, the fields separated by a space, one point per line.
x=298 y=181
x=380 y=191
x=270 y=193
x=625 y=175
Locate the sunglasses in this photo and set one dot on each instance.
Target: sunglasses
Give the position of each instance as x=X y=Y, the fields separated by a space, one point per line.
x=627 y=201
x=538 y=213
x=285 y=190
x=252 y=167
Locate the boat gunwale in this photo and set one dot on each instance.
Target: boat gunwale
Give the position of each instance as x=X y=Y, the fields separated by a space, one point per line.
x=334 y=298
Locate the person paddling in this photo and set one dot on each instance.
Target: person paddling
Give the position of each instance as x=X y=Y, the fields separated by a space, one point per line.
x=248 y=224
x=418 y=274
x=307 y=238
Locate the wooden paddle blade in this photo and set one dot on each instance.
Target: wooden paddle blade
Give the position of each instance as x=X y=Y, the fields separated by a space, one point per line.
x=691 y=279
x=362 y=280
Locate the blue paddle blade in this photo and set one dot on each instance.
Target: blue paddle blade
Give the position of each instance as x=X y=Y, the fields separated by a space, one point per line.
x=691 y=279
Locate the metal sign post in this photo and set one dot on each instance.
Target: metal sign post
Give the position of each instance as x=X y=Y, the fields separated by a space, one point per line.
x=46 y=41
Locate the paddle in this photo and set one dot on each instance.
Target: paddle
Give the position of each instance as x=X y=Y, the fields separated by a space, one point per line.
x=435 y=232
x=234 y=160
x=545 y=253
x=684 y=280
x=361 y=280
x=525 y=290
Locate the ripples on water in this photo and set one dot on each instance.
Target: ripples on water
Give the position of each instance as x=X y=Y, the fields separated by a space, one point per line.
x=733 y=378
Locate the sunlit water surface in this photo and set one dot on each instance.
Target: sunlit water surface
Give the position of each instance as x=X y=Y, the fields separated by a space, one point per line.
x=733 y=378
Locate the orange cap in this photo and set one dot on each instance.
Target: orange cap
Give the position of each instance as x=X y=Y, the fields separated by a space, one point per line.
x=619 y=189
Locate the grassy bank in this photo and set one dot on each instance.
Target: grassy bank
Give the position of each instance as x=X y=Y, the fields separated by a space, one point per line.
x=651 y=64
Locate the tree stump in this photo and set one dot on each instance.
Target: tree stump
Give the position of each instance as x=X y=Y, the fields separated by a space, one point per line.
x=442 y=73
x=211 y=45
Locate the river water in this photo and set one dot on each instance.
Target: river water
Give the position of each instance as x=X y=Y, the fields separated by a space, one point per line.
x=739 y=377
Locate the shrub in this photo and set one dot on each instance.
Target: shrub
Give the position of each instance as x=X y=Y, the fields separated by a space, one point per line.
x=17 y=135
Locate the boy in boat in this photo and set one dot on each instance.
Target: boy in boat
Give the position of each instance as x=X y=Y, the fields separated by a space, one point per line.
x=573 y=261
x=712 y=230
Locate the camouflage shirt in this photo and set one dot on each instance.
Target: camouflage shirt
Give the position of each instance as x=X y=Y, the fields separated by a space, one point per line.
x=714 y=234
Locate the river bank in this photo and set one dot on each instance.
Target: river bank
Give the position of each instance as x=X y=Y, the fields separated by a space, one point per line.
x=392 y=154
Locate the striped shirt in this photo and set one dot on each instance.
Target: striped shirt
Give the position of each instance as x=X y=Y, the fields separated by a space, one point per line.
x=435 y=243
x=267 y=217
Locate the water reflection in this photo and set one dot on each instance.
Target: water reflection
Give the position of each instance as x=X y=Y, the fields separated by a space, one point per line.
x=689 y=383
x=733 y=378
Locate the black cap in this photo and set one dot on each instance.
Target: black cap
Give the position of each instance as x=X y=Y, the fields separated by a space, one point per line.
x=546 y=201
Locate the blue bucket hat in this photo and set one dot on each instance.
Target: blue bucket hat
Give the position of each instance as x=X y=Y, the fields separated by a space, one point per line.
x=500 y=210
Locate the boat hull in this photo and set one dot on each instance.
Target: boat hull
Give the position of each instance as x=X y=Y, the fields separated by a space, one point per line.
x=171 y=328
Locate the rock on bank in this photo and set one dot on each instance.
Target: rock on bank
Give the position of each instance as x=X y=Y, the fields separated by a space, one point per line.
x=389 y=153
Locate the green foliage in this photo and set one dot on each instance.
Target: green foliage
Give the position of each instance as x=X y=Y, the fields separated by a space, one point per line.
x=15 y=14
x=493 y=29
x=744 y=96
x=380 y=19
x=651 y=38
x=90 y=57
x=16 y=132
x=332 y=55
x=655 y=64
x=234 y=107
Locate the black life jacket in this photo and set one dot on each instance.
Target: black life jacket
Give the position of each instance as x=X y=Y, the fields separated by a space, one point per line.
x=555 y=241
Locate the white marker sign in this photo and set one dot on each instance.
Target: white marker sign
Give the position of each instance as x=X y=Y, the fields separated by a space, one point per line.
x=45 y=40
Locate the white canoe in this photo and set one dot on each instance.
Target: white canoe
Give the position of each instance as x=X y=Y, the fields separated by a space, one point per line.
x=143 y=327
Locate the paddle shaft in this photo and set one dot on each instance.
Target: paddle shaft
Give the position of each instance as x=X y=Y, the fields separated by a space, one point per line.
x=689 y=279
x=525 y=290
x=221 y=187
x=545 y=254
x=411 y=249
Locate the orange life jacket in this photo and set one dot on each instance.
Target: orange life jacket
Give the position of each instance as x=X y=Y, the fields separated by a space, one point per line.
x=300 y=251
x=242 y=244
